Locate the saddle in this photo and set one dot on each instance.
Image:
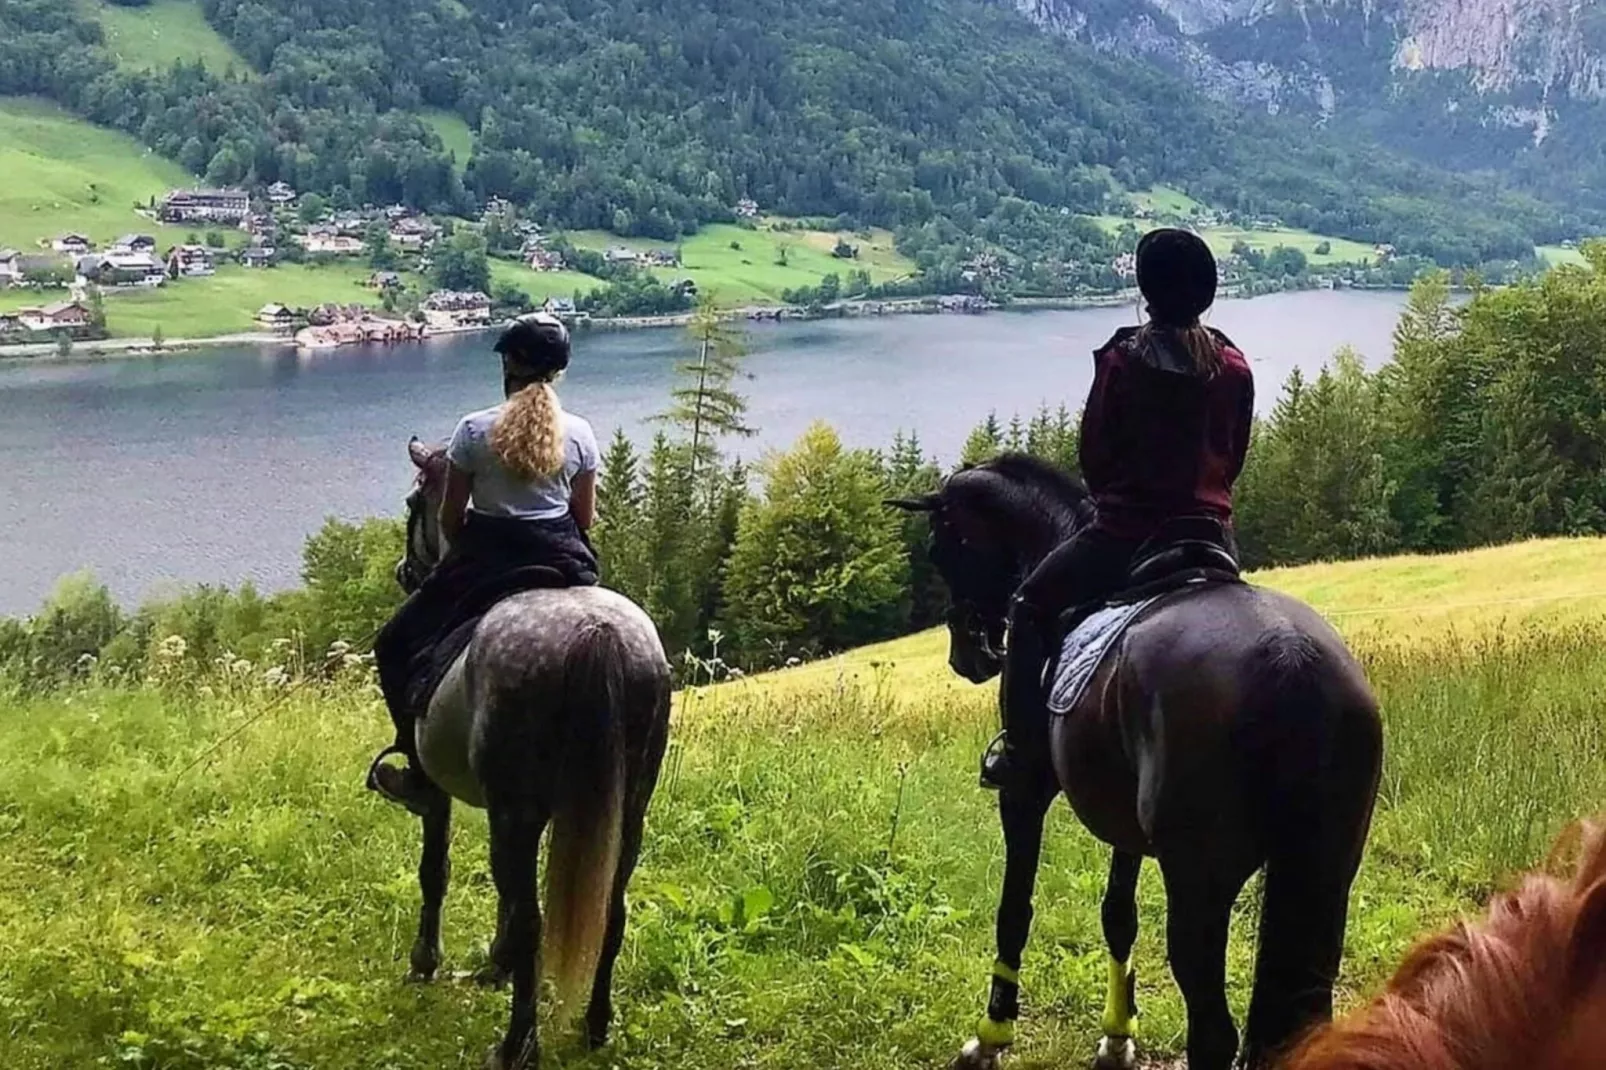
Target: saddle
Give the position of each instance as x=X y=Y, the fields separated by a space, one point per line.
x=1186 y=551
x=1189 y=551
x=431 y=663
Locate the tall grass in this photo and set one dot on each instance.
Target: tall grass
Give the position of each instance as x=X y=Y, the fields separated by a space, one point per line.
x=817 y=888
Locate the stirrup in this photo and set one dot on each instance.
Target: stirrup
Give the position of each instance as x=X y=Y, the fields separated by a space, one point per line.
x=373 y=768
x=995 y=750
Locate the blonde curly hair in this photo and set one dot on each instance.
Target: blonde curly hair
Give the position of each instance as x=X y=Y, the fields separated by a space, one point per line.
x=528 y=434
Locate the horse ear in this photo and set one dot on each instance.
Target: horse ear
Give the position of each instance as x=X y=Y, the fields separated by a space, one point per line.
x=417 y=451
x=926 y=503
x=1588 y=966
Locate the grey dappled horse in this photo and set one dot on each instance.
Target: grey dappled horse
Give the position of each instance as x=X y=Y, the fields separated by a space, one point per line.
x=557 y=711
x=1229 y=729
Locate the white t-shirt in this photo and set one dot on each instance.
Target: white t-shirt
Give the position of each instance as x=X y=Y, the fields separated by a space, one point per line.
x=497 y=491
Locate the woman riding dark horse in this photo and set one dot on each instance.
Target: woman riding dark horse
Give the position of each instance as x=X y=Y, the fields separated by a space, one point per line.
x=517 y=491
x=1164 y=434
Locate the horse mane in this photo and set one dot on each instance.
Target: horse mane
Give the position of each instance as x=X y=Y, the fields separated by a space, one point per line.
x=1053 y=488
x=1503 y=991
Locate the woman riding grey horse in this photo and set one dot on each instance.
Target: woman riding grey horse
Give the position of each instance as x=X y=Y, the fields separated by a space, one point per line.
x=517 y=488
x=556 y=711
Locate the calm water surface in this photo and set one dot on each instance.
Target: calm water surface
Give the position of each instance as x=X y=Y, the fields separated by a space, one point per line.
x=214 y=466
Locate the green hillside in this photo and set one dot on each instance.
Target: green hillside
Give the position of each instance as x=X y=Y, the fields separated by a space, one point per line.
x=155 y=35
x=194 y=877
x=64 y=174
x=1544 y=583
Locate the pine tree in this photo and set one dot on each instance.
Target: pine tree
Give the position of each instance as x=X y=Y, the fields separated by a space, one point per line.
x=984 y=443
x=911 y=473
x=706 y=404
x=669 y=541
x=617 y=535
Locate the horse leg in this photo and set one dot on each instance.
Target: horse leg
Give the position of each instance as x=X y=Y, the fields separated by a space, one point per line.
x=499 y=966
x=1198 y=909
x=1312 y=866
x=1022 y=812
x=1117 y=1049
x=599 y=1012
x=434 y=873
x=515 y=838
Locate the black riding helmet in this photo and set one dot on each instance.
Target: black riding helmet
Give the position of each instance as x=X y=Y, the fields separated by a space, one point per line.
x=1177 y=275
x=535 y=346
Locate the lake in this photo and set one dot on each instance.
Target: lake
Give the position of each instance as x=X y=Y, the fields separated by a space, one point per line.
x=213 y=466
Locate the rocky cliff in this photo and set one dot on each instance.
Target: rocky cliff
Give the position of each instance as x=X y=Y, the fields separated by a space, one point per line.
x=1502 y=63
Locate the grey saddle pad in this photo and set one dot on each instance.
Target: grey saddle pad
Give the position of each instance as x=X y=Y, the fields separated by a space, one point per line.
x=1084 y=651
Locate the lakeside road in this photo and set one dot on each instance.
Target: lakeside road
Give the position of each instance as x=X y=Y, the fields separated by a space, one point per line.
x=926 y=306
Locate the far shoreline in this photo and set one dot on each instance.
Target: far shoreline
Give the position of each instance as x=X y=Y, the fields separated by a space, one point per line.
x=106 y=349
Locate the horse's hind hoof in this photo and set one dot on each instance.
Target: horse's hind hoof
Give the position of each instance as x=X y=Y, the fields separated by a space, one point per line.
x=1116 y=1053
x=977 y=1056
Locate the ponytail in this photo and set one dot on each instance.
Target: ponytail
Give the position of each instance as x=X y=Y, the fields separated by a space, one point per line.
x=528 y=434
x=1202 y=347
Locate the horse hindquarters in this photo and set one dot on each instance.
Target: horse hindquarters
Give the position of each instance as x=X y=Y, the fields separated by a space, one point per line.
x=1316 y=741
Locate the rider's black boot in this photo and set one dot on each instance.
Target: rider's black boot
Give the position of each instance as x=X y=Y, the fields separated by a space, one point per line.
x=1021 y=750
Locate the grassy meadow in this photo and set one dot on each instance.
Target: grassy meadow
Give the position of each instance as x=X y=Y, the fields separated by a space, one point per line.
x=454 y=133
x=63 y=174
x=160 y=33
x=741 y=266
x=195 y=878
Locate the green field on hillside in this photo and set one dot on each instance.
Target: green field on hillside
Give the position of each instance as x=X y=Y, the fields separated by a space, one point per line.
x=194 y=877
x=63 y=174
x=1166 y=202
x=227 y=303
x=162 y=32
x=1557 y=256
x=541 y=285
x=740 y=266
x=454 y=134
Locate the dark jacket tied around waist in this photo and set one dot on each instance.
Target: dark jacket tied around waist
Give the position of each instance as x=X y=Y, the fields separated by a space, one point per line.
x=1159 y=439
x=493 y=558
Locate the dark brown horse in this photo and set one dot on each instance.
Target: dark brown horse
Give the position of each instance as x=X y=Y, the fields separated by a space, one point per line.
x=1230 y=729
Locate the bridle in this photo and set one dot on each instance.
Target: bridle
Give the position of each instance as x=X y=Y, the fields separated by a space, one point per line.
x=410 y=573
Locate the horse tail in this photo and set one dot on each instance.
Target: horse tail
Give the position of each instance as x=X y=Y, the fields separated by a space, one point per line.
x=1314 y=744
x=587 y=815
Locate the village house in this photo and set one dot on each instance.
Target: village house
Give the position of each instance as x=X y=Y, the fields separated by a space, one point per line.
x=351 y=224
x=10 y=267
x=533 y=244
x=620 y=255
x=559 y=306
x=121 y=270
x=73 y=244
x=227 y=206
x=324 y=238
x=278 y=317
x=262 y=228
x=280 y=195
x=665 y=258
x=545 y=259
x=134 y=243
x=384 y=280
x=413 y=233
x=331 y=313
x=10 y=323
x=1384 y=253
x=746 y=208
x=684 y=287
x=190 y=262
x=446 y=310
x=257 y=256
x=496 y=206
x=63 y=315
x=1125 y=265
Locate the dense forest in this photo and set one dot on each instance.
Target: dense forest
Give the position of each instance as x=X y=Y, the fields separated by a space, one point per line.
x=955 y=122
x=1489 y=425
